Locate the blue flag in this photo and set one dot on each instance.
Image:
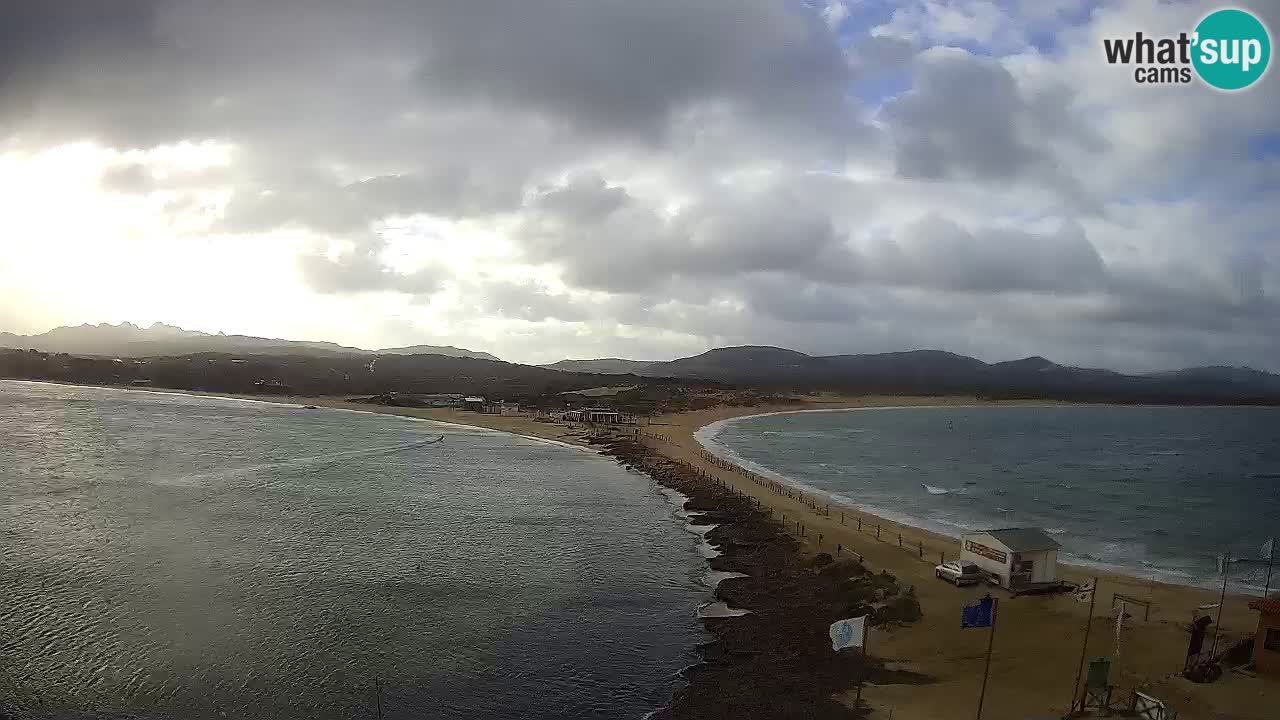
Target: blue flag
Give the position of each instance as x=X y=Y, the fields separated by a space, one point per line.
x=978 y=615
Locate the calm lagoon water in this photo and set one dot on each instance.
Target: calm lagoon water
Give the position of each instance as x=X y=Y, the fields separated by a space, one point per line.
x=1156 y=492
x=167 y=556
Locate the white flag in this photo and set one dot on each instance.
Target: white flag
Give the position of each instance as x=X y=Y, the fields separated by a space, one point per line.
x=1084 y=593
x=1268 y=547
x=1119 y=626
x=848 y=633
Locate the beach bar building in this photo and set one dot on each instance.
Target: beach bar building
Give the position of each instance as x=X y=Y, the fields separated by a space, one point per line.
x=1016 y=559
x=1266 y=645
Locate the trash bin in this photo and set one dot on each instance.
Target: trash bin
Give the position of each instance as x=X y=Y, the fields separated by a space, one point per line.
x=1099 y=668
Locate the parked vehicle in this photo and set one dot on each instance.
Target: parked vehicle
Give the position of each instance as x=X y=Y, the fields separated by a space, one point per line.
x=959 y=573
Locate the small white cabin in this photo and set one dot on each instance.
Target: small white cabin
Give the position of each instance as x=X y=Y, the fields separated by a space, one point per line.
x=1016 y=558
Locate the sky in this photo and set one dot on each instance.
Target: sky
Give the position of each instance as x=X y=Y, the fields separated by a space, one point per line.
x=548 y=179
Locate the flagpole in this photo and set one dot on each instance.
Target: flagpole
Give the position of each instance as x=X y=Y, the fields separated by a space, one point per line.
x=1217 y=625
x=862 y=672
x=1084 y=648
x=991 y=641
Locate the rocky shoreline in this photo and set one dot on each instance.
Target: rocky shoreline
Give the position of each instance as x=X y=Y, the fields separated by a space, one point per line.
x=776 y=661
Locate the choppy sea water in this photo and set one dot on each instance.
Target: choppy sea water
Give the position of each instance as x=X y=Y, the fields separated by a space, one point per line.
x=167 y=556
x=1154 y=492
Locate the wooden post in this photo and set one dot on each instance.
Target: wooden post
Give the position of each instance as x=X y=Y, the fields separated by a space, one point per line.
x=922 y=549
x=991 y=641
x=1271 y=563
x=862 y=671
x=1217 y=625
x=877 y=531
x=1084 y=647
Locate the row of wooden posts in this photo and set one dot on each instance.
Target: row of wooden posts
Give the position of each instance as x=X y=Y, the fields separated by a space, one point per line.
x=824 y=510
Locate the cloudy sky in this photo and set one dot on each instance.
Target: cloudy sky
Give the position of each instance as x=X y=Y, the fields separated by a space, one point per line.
x=544 y=179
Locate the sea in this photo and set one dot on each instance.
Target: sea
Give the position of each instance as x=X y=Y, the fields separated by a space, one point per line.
x=171 y=556
x=1156 y=492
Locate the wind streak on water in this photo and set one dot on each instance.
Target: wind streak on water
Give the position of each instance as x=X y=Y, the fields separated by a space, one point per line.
x=176 y=557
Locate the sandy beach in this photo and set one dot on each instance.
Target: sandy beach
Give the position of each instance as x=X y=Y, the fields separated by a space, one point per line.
x=1038 y=646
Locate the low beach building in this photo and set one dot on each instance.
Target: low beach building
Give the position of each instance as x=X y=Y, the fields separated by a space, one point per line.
x=441 y=399
x=1266 y=646
x=475 y=403
x=1016 y=559
x=600 y=416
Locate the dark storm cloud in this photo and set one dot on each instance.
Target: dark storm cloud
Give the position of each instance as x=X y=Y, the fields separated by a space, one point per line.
x=967 y=118
x=960 y=119
x=325 y=205
x=607 y=239
x=619 y=68
x=934 y=252
x=624 y=67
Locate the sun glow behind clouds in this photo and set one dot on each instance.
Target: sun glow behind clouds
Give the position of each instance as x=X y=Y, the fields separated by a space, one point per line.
x=77 y=249
x=132 y=235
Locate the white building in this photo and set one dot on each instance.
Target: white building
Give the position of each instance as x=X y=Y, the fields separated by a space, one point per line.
x=1017 y=558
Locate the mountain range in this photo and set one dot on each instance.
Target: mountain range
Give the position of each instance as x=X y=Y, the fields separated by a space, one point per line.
x=940 y=372
x=920 y=372
x=129 y=340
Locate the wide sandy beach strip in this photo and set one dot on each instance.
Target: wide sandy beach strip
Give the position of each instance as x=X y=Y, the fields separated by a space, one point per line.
x=1038 y=646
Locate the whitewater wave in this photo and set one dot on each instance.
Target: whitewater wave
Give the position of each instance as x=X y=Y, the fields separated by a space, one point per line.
x=720 y=610
x=715 y=577
x=944 y=491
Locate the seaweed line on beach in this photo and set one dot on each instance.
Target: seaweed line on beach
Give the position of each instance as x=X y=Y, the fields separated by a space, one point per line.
x=776 y=661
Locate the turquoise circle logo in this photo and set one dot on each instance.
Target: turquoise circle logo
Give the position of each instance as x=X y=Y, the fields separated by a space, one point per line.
x=1232 y=49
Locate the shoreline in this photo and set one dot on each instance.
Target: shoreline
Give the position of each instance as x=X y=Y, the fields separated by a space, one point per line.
x=771 y=607
x=706 y=437
x=1040 y=644
x=1031 y=672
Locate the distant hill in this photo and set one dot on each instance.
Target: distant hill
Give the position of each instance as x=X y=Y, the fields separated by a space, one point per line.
x=603 y=366
x=174 y=360
x=129 y=340
x=446 y=350
x=746 y=364
x=938 y=372
x=337 y=374
x=1221 y=374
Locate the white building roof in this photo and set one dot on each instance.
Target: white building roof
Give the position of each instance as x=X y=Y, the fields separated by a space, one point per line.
x=1022 y=539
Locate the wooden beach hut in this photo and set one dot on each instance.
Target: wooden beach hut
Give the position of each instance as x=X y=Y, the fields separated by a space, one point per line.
x=1266 y=646
x=1016 y=559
